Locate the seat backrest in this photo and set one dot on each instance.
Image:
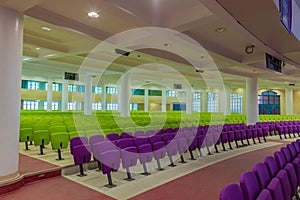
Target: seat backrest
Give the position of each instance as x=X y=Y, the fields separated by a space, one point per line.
x=296 y=146
x=82 y=154
x=231 y=191
x=287 y=154
x=96 y=138
x=271 y=165
x=139 y=134
x=140 y=141
x=77 y=141
x=292 y=150
x=285 y=184
x=265 y=194
x=110 y=161
x=154 y=139
x=112 y=136
x=125 y=142
x=280 y=159
x=275 y=189
x=290 y=169
x=262 y=174
x=126 y=135
x=249 y=185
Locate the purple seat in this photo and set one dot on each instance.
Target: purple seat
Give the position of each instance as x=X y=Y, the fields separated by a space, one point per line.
x=154 y=139
x=249 y=136
x=287 y=154
x=182 y=147
x=292 y=150
x=169 y=130
x=249 y=185
x=145 y=155
x=167 y=137
x=140 y=141
x=129 y=159
x=112 y=137
x=126 y=135
x=224 y=139
x=77 y=141
x=290 y=169
x=94 y=139
x=262 y=175
x=110 y=163
x=280 y=159
x=124 y=143
x=230 y=136
x=296 y=146
x=296 y=164
x=216 y=141
x=285 y=184
x=264 y=195
x=208 y=141
x=265 y=131
x=271 y=165
x=230 y=192
x=275 y=189
x=82 y=154
x=139 y=134
x=150 y=133
x=159 y=152
x=259 y=134
x=172 y=149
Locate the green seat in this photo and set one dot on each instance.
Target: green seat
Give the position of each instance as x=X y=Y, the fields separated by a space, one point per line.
x=59 y=141
x=41 y=138
x=57 y=129
x=26 y=136
x=92 y=132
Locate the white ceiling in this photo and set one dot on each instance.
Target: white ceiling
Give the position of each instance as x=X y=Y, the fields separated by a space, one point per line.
x=74 y=36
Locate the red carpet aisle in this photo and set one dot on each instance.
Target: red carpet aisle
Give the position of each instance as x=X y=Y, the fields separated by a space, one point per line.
x=57 y=188
x=206 y=184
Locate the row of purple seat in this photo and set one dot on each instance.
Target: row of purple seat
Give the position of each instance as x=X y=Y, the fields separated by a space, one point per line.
x=277 y=178
x=115 y=147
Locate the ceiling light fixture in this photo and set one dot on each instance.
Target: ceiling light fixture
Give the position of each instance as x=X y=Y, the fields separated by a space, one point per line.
x=46 y=28
x=50 y=55
x=93 y=14
x=220 y=30
x=249 y=49
x=38 y=48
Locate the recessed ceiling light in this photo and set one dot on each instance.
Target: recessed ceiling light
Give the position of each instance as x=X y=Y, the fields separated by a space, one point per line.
x=220 y=30
x=50 y=55
x=38 y=48
x=93 y=14
x=46 y=28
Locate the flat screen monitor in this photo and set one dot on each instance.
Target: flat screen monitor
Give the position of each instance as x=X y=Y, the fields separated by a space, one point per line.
x=273 y=63
x=71 y=76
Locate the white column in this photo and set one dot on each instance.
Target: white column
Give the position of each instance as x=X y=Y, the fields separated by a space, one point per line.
x=11 y=40
x=189 y=100
x=124 y=93
x=251 y=100
x=103 y=98
x=146 y=100
x=163 y=100
x=289 y=101
x=225 y=100
x=203 y=101
x=49 y=95
x=88 y=95
x=64 y=96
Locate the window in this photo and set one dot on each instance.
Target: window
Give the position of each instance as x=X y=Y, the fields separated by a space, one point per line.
x=97 y=89
x=212 y=102
x=134 y=106
x=96 y=106
x=197 y=102
x=33 y=85
x=236 y=103
x=71 y=88
x=55 y=87
x=112 y=106
x=111 y=90
x=30 y=105
x=71 y=105
x=171 y=93
x=54 y=105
